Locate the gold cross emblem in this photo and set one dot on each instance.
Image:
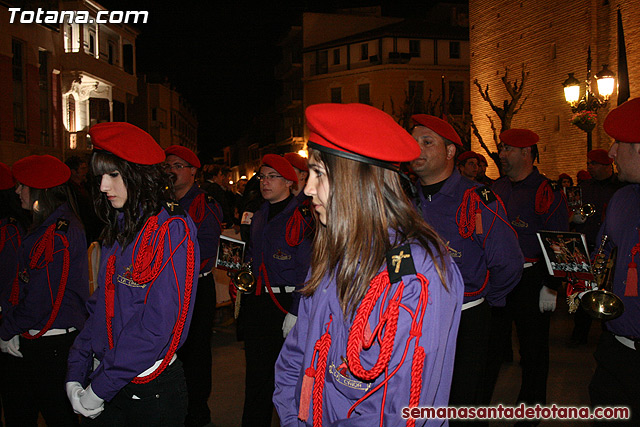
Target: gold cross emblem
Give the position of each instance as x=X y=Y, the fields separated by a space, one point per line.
x=62 y=223
x=484 y=194
x=172 y=205
x=396 y=260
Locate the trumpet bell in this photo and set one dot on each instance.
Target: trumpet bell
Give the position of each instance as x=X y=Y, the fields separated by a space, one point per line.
x=245 y=281
x=587 y=210
x=601 y=304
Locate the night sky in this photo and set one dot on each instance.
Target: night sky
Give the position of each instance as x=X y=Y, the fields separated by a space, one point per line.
x=221 y=58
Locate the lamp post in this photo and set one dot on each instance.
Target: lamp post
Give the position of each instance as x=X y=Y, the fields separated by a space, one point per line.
x=585 y=108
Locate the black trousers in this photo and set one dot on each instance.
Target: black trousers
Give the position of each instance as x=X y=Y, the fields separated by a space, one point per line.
x=158 y=403
x=36 y=383
x=262 y=344
x=532 y=329
x=616 y=379
x=195 y=354
x=471 y=356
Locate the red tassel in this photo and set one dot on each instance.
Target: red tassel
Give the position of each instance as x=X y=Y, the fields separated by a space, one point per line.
x=478 y=221
x=367 y=336
x=305 y=393
x=631 y=290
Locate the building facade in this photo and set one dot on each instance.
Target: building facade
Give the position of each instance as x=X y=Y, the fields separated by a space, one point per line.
x=550 y=40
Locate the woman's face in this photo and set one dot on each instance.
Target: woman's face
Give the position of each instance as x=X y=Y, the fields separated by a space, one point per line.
x=318 y=188
x=112 y=185
x=25 y=196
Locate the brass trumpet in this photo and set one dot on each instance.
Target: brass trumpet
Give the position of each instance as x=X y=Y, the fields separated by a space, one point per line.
x=601 y=303
x=244 y=280
x=587 y=210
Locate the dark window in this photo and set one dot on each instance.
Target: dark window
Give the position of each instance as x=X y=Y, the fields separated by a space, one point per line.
x=112 y=51
x=99 y=110
x=118 y=112
x=454 y=50
x=414 y=48
x=364 y=95
x=456 y=97
x=17 y=62
x=92 y=43
x=336 y=95
x=323 y=62
x=336 y=56
x=364 y=51
x=45 y=98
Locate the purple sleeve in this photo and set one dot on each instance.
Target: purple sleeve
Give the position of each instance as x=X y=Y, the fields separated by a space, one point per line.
x=80 y=361
x=289 y=365
x=303 y=259
x=145 y=337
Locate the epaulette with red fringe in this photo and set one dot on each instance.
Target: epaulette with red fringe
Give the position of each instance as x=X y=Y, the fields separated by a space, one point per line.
x=299 y=225
x=544 y=197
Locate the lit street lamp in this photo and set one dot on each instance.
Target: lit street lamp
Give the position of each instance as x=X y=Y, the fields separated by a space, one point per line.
x=585 y=108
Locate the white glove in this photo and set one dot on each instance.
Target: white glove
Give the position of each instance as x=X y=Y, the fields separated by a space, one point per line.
x=547 y=299
x=75 y=392
x=12 y=346
x=91 y=402
x=289 y=322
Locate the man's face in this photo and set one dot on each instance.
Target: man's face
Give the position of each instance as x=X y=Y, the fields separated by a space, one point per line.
x=182 y=172
x=512 y=159
x=81 y=174
x=470 y=168
x=627 y=159
x=434 y=154
x=273 y=186
x=598 y=170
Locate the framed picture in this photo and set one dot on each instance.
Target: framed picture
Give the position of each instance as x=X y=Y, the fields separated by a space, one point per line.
x=566 y=254
x=574 y=197
x=230 y=253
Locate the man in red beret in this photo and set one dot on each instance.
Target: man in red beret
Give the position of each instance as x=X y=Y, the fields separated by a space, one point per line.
x=279 y=251
x=532 y=205
x=482 y=177
x=615 y=381
x=206 y=213
x=468 y=164
x=596 y=192
x=465 y=213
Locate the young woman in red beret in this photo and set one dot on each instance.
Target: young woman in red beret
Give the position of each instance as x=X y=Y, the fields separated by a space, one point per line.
x=44 y=309
x=376 y=330
x=122 y=368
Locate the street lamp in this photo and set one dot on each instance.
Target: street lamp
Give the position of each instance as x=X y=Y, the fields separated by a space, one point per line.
x=585 y=108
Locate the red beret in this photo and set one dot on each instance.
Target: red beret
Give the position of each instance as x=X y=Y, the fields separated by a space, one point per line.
x=600 y=156
x=281 y=165
x=297 y=161
x=184 y=153
x=41 y=171
x=623 y=122
x=6 y=178
x=583 y=175
x=466 y=156
x=128 y=142
x=439 y=126
x=481 y=159
x=564 y=176
x=359 y=132
x=520 y=138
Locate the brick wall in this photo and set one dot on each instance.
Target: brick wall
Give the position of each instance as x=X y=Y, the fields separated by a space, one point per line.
x=550 y=39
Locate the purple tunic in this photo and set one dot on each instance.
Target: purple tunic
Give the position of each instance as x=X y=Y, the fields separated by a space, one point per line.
x=520 y=201
x=11 y=235
x=286 y=265
x=622 y=225
x=39 y=285
x=145 y=313
x=341 y=388
x=207 y=218
x=495 y=250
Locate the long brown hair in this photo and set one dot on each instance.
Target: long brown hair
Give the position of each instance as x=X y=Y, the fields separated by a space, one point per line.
x=148 y=186
x=365 y=203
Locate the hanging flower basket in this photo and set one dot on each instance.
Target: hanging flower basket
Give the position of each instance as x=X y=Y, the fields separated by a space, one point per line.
x=585 y=120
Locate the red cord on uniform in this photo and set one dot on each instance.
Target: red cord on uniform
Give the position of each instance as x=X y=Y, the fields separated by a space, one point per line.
x=544 y=198
x=45 y=245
